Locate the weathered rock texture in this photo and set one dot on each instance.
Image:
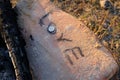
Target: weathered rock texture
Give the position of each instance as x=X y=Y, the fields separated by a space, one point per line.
x=78 y=56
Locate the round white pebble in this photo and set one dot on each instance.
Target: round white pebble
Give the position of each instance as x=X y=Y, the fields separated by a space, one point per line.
x=51 y=28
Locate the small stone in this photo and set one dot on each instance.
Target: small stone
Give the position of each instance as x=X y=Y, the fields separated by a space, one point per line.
x=51 y=29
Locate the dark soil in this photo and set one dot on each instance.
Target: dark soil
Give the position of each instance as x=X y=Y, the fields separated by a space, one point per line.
x=10 y=35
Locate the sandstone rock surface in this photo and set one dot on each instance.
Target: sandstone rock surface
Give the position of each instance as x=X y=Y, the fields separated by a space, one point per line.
x=72 y=53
